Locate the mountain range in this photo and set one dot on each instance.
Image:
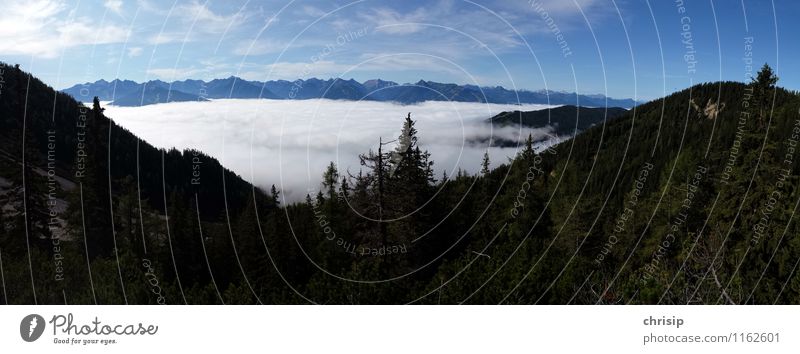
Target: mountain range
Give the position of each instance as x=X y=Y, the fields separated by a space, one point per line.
x=130 y=93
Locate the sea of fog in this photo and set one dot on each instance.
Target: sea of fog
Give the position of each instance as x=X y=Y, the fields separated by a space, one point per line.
x=289 y=143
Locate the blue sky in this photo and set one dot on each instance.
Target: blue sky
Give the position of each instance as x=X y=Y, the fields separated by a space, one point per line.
x=623 y=48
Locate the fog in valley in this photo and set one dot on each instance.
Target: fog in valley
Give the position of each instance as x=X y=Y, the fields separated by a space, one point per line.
x=289 y=143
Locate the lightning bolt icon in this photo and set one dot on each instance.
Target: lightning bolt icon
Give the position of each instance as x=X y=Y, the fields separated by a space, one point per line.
x=34 y=324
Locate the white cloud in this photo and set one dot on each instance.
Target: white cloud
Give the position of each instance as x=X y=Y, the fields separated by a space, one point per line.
x=260 y=47
x=85 y=32
x=196 y=22
x=147 y=6
x=207 y=70
x=207 y=21
x=443 y=28
x=369 y=62
x=114 y=5
x=462 y=29
x=561 y=7
x=43 y=28
x=301 y=70
x=312 y=11
x=393 y=22
x=341 y=24
x=293 y=141
x=529 y=16
x=172 y=74
x=417 y=62
x=134 y=52
x=165 y=37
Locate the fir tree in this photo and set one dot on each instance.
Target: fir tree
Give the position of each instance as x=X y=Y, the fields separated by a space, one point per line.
x=485 y=164
x=763 y=88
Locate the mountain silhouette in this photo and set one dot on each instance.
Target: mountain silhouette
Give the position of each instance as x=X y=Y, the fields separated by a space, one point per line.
x=335 y=89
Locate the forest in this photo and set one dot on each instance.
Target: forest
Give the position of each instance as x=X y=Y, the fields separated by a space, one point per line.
x=687 y=199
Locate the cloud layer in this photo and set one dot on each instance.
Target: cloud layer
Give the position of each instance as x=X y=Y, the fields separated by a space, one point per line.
x=289 y=143
x=46 y=28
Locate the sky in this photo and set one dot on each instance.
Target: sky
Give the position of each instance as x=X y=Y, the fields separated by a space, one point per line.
x=641 y=49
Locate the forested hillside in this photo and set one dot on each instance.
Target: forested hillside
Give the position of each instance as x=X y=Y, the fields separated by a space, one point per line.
x=565 y=120
x=686 y=199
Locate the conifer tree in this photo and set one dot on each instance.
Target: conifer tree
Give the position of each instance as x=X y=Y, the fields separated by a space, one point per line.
x=763 y=89
x=275 y=196
x=485 y=164
x=329 y=180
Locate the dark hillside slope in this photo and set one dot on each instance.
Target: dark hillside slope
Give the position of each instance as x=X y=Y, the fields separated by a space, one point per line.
x=564 y=119
x=679 y=190
x=154 y=194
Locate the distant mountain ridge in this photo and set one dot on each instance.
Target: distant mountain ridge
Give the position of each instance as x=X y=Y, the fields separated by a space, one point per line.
x=565 y=120
x=130 y=93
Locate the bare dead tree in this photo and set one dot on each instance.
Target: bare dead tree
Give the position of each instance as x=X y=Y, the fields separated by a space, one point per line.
x=702 y=271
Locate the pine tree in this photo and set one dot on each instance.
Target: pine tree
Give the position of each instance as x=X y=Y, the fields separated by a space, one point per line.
x=376 y=178
x=344 y=187
x=528 y=153
x=329 y=180
x=763 y=88
x=485 y=164
x=405 y=144
x=275 y=196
